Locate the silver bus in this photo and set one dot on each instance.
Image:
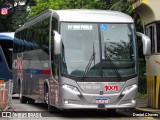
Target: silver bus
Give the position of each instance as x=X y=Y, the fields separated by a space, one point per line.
x=77 y=59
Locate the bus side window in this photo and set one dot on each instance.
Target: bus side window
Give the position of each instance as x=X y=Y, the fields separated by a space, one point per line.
x=0 y=59
x=158 y=38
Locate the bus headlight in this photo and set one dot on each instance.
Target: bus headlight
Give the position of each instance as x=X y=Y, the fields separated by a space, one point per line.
x=71 y=89
x=129 y=88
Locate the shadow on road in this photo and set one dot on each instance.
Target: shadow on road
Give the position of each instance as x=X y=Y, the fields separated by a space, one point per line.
x=90 y=113
x=85 y=113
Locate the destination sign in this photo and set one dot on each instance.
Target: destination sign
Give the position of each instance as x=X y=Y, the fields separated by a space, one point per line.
x=80 y=27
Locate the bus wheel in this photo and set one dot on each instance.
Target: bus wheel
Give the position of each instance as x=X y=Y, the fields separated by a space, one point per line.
x=21 y=97
x=31 y=101
x=46 y=98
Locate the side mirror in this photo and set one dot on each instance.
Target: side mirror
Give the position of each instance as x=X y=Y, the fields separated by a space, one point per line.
x=146 y=43
x=57 y=43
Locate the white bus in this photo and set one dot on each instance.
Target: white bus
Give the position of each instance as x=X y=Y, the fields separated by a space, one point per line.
x=78 y=59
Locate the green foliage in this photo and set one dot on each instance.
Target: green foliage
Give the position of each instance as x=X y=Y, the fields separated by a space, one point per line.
x=3 y=22
x=140 y=95
x=120 y=5
x=42 y=5
x=2 y=19
x=142 y=77
x=18 y=19
x=87 y=4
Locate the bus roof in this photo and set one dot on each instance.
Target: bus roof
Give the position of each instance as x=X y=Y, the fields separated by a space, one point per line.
x=88 y=15
x=7 y=35
x=81 y=15
x=84 y=15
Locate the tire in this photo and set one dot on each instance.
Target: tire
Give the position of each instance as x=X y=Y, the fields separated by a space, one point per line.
x=31 y=101
x=21 y=97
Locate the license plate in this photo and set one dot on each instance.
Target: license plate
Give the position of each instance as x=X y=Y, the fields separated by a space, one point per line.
x=101 y=100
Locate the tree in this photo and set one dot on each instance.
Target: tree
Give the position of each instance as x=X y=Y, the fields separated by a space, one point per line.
x=42 y=5
x=17 y=14
x=88 y=4
x=3 y=22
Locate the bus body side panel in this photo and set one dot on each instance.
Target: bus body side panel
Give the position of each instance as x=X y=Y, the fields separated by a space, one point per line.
x=16 y=77
x=32 y=69
x=54 y=92
x=93 y=93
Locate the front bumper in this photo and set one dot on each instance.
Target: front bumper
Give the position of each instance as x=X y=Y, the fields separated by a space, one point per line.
x=87 y=101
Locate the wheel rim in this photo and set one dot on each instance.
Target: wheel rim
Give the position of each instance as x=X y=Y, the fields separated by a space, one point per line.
x=46 y=98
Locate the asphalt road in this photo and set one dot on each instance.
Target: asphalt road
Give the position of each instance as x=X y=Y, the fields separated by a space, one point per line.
x=41 y=110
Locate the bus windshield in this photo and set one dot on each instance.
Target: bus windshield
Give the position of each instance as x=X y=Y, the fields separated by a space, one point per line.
x=98 y=50
x=6 y=50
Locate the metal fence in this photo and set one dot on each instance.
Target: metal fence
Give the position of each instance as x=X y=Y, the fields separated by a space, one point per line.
x=6 y=91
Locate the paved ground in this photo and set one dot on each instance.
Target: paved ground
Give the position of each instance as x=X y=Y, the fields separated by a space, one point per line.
x=141 y=105
x=85 y=115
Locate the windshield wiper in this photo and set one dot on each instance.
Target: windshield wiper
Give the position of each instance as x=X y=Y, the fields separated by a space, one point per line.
x=111 y=63
x=89 y=63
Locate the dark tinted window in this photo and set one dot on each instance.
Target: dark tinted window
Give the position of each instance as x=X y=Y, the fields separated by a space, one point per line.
x=158 y=37
x=33 y=37
x=7 y=46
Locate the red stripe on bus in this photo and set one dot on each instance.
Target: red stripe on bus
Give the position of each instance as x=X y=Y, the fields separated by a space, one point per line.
x=46 y=71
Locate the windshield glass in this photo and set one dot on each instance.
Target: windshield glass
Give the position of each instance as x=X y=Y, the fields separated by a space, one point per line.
x=98 y=50
x=118 y=49
x=80 y=41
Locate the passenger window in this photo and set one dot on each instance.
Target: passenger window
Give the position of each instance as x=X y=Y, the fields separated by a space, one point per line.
x=0 y=59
